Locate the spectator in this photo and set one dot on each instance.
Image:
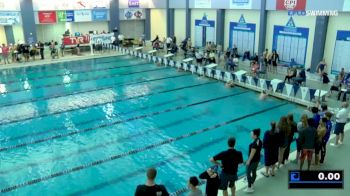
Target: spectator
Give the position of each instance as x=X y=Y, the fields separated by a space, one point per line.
x=41 y=49
x=26 y=53
x=300 y=126
x=324 y=110
x=229 y=161
x=169 y=40
x=212 y=57
x=230 y=65
x=308 y=139
x=199 y=57
x=342 y=75
x=192 y=185
x=270 y=150
x=283 y=133
x=321 y=67
x=316 y=116
x=253 y=159
x=174 y=40
x=5 y=53
x=151 y=188
x=274 y=60
x=336 y=85
x=292 y=73
x=301 y=77
x=341 y=119
x=293 y=130
x=347 y=91
x=265 y=56
x=155 y=40
x=326 y=137
x=213 y=181
x=321 y=132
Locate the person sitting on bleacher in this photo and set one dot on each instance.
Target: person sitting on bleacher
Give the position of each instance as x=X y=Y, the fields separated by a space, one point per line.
x=199 y=57
x=173 y=49
x=255 y=58
x=190 y=53
x=156 y=45
x=230 y=65
x=292 y=73
x=345 y=92
x=211 y=57
x=254 y=68
x=336 y=85
x=246 y=55
x=301 y=77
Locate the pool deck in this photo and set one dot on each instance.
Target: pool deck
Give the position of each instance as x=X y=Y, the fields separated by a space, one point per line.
x=263 y=185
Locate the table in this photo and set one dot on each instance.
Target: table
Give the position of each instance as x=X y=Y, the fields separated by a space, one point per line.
x=138 y=48
x=168 y=55
x=188 y=60
x=152 y=51
x=210 y=66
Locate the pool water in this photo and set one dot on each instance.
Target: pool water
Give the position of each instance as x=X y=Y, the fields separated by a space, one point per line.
x=93 y=127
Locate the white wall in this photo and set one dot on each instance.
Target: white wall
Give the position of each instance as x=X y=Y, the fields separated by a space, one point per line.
x=197 y=14
x=48 y=32
x=18 y=32
x=180 y=24
x=281 y=18
x=250 y=16
x=158 y=23
x=340 y=22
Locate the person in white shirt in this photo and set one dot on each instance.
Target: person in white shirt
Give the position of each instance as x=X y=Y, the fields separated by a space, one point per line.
x=120 y=39
x=341 y=119
x=168 y=41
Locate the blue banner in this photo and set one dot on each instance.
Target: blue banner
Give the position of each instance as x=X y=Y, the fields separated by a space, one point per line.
x=341 y=52
x=291 y=42
x=70 y=15
x=204 y=31
x=99 y=14
x=242 y=35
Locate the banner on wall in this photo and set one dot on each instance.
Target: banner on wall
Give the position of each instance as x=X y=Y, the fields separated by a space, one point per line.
x=99 y=14
x=341 y=55
x=47 y=17
x=204 y=31
x=241 y=4
x=74 y=40
x=9 y=5
x=133 y=14
x=82 y=15
x=290 y=42
x=133 y=3
x=101 y=38
x=202 y=3
x=10 y=18
x=69 y=4
x=242 y=35
x=296 y=5
x=65 y=16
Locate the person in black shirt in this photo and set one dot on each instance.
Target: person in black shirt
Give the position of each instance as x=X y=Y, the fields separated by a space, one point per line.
x=151 y=188
x=253 y=160
x=229 y=161
x=213 y=181
x=41 y=49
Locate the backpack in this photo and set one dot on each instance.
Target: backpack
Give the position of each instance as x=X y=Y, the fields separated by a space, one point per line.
x=325 y=79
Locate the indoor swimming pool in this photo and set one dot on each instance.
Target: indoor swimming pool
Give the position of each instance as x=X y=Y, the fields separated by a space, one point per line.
x=93 y=127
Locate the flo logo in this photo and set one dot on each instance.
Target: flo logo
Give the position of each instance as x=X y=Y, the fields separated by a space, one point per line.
x=290 y=4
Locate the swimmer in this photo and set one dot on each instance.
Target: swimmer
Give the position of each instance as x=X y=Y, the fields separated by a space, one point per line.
x=263 y=95
x=230 y=84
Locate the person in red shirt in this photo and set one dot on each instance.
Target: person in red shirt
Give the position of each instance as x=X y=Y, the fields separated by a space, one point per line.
x=5 y=53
